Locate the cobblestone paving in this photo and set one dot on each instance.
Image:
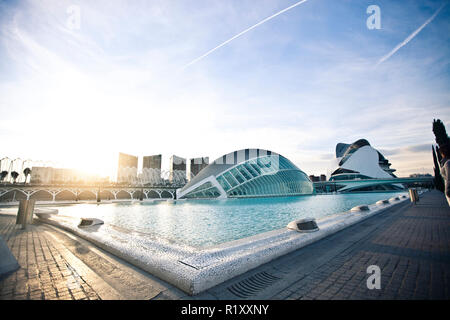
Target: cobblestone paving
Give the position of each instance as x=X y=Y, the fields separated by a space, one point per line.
x=411 y=247
x=44 y=273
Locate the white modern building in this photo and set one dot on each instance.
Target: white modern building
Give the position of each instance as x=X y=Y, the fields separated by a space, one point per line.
x=248 y=173
x=360 y=161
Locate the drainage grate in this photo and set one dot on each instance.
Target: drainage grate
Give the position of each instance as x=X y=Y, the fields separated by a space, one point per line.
x=251 y=286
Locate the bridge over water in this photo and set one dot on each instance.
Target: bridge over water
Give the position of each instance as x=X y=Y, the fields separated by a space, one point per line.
x=76 y=192
x=352 y=185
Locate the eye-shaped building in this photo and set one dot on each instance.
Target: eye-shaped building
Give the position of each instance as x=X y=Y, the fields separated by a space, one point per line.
x=359 y=161
x=248 y=173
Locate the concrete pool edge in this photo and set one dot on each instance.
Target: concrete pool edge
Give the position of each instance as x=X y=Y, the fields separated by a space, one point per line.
x=196 y=270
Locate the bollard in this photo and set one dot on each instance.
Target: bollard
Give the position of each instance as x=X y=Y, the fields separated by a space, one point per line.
x=25 y=213
x=413 y=195
x=303 y=225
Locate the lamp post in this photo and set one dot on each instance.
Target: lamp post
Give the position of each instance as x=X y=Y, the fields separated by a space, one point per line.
x=98 y=195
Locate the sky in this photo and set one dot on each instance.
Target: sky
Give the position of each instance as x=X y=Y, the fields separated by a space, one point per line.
x=81 y=81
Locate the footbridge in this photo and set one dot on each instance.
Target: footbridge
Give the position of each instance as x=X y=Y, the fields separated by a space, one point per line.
x=343 y=186
x=56 y=193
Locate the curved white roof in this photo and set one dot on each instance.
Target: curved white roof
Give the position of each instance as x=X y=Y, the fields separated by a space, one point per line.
x=248 y=172
x=365 y=161
x=360 y=158
x=225 y=162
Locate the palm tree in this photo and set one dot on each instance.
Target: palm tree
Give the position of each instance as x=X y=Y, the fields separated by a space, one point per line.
x=3 y=175
x=14 y=175
x=26 y=172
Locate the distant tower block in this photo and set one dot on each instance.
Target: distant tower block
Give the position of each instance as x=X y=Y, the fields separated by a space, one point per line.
x=152 y=162
x=127 y=170
x=177 y=169
x=196 y=165
x=151 y=169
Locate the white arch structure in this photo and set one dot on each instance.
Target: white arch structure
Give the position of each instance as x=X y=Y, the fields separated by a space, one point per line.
x=76 y=191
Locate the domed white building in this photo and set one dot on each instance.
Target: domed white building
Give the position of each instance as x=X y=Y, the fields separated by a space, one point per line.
x=248 y=173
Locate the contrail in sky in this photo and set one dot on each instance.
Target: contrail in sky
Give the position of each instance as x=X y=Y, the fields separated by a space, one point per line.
x=411 y=36
x=243 y=32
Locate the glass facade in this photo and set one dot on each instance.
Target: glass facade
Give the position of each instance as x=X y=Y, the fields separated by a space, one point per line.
x=206 y=190
x=267 y=175
x=381 y=187
x=349 y=177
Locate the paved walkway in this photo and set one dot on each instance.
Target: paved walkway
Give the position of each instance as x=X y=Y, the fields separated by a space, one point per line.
x=44 y=272
x=410 y=244
x=57 y=265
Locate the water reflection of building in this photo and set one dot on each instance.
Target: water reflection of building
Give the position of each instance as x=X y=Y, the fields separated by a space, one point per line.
x=196 y=165
x=127 y=169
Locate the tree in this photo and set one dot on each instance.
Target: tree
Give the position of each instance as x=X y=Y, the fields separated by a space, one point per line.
x=26 y=172
x=442 y=138
x=3 y=175
x=14 y=175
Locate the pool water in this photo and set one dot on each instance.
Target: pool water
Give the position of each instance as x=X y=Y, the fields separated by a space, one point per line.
x=204 y=223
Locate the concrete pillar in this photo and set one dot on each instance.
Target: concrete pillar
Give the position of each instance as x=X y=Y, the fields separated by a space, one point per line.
x=413 y=195
x=25 y=213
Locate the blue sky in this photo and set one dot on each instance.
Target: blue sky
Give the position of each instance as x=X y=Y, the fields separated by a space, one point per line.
x=297 y=84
